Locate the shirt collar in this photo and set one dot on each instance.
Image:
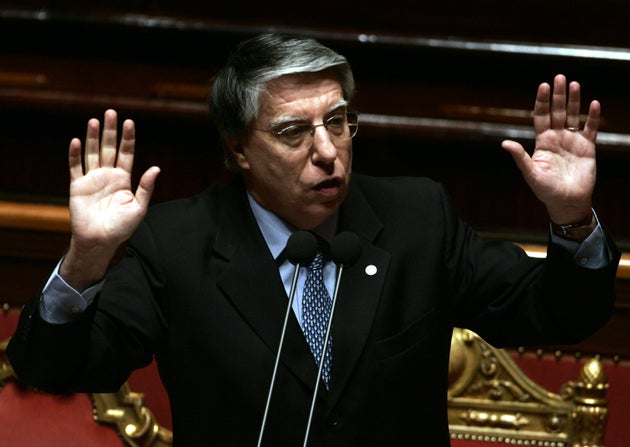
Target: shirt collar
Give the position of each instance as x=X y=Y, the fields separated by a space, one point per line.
x=276 y=231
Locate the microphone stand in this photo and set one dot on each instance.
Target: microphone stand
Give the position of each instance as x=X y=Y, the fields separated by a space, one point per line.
x=321 y=360
x=275 y=367
x=345 y=249
x=300 y=250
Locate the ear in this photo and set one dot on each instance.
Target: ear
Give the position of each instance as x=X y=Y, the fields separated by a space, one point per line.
x=237 y=149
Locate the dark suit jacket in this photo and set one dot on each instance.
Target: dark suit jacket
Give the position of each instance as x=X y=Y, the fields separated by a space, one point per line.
x=198 y=288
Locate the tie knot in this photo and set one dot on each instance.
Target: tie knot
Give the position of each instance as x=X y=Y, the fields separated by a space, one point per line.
x=322 y=254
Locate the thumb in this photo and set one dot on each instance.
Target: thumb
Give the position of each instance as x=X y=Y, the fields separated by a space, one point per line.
x=146 y=186
x=519 y=155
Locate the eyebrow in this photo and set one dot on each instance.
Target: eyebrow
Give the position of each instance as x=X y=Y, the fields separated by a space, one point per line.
x=342 y=103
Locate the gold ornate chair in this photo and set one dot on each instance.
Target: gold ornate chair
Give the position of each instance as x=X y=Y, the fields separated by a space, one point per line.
x=29 y=417
x=135 y=422
x=491 y=400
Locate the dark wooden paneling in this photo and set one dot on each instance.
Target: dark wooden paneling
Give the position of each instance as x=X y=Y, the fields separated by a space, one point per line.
x=436 y=99
x=439 y=86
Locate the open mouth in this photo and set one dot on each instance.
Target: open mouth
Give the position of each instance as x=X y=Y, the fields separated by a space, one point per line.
x=327 y=184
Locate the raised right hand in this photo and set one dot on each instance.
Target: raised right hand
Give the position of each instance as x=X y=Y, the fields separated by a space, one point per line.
x=104 y=211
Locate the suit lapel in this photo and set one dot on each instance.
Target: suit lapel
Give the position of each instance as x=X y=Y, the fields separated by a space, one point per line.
x=250 y=280
x=359 y=291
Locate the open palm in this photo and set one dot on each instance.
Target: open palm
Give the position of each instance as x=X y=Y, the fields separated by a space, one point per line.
x=561 y=170
x=104 y=211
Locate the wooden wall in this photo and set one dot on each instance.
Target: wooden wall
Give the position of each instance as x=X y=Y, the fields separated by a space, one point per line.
x=439 y=87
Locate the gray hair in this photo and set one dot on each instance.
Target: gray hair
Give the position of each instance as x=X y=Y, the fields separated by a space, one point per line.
x=236 y=88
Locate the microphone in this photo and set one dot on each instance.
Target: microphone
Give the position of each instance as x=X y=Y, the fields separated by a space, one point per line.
x=345 y=251
x=346 y=248
x=300 y=250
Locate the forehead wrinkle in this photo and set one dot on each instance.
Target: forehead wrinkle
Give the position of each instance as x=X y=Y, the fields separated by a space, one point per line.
x=297 y=98
x=293 y=118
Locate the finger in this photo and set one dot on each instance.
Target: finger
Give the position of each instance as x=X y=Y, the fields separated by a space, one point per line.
x=559 y=102
x=541 y=108
x=91 y=145
x=127 y=146
x=521 y=157
x=108 y=140
x=573 y=106
x=74 y=159
x=146 y=186
x=592 y=121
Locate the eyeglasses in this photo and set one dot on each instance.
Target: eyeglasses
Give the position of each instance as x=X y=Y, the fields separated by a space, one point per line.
x=340 y=127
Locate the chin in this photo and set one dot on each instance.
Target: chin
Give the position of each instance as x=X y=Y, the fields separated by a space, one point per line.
x=311 y=219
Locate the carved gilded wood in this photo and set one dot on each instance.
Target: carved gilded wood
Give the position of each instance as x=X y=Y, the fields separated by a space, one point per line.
x=492 y=400
x=124 y=410
x=135 y=422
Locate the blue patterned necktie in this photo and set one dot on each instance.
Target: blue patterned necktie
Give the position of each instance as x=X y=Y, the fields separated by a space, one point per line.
x=316 y=307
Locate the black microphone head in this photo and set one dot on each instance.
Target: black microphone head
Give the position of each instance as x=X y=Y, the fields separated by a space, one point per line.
x=346 y=248
x=301 y=247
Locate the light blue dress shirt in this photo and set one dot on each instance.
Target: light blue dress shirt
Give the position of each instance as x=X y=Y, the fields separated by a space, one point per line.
x=276 y=233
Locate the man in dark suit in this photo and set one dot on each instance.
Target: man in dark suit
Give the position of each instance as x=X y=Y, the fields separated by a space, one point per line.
x=204 y=284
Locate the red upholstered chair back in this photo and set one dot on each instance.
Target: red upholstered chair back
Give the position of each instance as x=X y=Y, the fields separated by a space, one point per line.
x=29 y=418
x=491 y=401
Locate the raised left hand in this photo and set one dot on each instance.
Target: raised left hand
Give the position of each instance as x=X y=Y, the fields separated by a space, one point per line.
x=561 y=171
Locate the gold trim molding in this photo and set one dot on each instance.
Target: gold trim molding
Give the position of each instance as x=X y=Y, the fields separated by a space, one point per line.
x=135 y=422
x=124 y=409
x=490 y=399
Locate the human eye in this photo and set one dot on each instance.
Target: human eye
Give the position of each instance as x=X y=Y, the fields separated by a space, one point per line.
x=294 y=134
x=336 y=123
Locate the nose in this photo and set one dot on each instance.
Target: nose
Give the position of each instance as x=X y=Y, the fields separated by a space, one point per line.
x=324 y=150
